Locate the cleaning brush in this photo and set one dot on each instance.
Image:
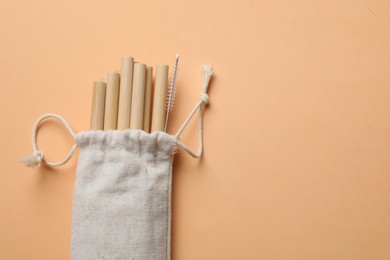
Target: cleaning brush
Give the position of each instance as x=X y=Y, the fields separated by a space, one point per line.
x=171 y=93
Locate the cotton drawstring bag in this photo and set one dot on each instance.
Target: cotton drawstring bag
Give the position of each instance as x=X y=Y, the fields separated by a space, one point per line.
x=122 y=194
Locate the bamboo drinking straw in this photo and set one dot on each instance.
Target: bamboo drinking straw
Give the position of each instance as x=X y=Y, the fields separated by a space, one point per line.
x=98 y=102
x=148 y=99
x=138 y=96
x=126 y=82
x=112 y=96
x=160 y=96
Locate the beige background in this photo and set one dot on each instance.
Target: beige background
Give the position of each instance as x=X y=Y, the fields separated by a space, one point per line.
x=297 y=133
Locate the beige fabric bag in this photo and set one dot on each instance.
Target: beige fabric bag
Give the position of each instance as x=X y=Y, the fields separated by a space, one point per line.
x=122 y=195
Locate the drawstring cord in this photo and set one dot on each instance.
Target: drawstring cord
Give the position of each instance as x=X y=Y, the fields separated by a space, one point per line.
x=37 y=156
x=207 y=71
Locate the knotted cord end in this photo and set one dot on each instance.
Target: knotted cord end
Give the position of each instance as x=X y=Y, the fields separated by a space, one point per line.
x=32 y=160
x=207 y=71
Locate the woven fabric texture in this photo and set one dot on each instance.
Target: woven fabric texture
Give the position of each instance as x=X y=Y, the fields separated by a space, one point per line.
x=122 y=197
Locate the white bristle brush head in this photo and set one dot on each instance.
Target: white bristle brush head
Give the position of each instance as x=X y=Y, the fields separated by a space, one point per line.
x=171 y=94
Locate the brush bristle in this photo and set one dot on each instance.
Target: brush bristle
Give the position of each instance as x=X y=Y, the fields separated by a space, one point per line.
x=171 y=93
x=171 y=96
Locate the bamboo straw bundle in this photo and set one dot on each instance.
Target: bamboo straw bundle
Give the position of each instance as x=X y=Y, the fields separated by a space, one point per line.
x=129 y=100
